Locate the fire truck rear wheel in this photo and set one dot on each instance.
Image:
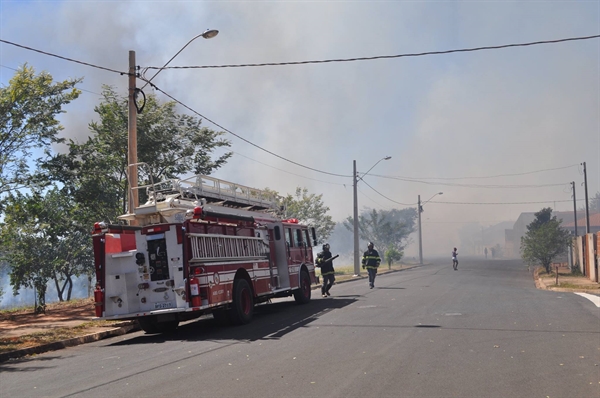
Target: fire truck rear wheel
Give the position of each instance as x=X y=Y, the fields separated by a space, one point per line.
x=242 y=306
x=150 y=325
x=302 y=294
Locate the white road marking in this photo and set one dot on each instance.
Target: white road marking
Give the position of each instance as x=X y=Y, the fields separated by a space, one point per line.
x=591 y=297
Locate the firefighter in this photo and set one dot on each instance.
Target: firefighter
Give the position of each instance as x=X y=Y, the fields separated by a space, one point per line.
x=371 y=261
x=325 y=262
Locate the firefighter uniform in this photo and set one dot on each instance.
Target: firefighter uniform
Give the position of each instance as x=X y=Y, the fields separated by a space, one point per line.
x=371 y=261
x=327 y=271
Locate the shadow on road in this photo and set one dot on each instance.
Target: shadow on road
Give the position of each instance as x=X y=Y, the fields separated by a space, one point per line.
x=271 y=322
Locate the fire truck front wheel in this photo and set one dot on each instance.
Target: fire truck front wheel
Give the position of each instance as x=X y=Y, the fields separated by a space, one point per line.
x=242 y=306
x=302 y=294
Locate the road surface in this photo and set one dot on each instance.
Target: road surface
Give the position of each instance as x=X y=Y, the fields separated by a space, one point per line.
x=481 y=331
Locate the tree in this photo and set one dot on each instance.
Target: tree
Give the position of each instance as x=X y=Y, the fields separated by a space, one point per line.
x=27 y=251
x=29 y=106
x=171 y=145
x=595 y=203
x=385 y=228
x=308 y=208
x=391 y=255
x=42 y=240
x=544 y=240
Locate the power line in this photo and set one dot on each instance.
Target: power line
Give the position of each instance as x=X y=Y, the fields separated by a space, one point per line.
x=481 y=177
x=63 y=58
x=379 y=56
x=288 y=172
x=490 y=186
x=315 y=62
x=391 y=200
x=244 y=139
x=502 y=203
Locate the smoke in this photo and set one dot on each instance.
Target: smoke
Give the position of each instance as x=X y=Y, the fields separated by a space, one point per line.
x=473 y=114
x=26 y=296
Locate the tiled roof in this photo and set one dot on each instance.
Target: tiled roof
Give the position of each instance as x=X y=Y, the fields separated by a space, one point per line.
x=594 y=221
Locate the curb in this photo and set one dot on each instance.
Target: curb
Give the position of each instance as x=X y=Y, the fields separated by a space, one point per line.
x=69 y=343
x=539 y=283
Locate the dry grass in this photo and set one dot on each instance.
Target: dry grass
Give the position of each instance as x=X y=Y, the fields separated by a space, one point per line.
x=51 y=336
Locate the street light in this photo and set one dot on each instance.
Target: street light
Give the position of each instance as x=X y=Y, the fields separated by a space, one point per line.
x=208 y=34
x=419 y=211
x=132 y=119
x=355 y=182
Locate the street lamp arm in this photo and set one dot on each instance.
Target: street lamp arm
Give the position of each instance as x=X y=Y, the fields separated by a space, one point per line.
x=384 y=158
x=439 y=193
x=208 y=34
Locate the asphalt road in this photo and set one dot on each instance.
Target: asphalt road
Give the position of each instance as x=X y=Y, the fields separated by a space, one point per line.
x=481 y=331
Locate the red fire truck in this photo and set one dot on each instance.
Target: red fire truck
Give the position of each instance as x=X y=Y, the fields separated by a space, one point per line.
x=197 y=246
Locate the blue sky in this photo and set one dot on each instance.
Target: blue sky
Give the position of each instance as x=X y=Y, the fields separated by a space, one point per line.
x=477 y=114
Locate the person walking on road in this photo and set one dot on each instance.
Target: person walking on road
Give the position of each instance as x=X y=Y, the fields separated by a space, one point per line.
x=325 y=262
x=371 y=261
x=485 y=252
x=455 y=259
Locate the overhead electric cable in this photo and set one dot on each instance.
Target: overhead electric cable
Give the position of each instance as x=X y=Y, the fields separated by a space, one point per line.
x=285 y=171
x=366 y=196
x=391 y=200
x=244 y=139
x=64 y=58
x=379 y=56
x=490 y=186
x=502 y=203
x=468 y=203
x=481 y=177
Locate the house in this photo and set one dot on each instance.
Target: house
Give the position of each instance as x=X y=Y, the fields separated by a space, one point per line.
x=581 y=224
x=512 y=237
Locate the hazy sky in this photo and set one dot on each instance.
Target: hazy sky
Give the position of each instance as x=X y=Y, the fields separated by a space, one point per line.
x=440 y=117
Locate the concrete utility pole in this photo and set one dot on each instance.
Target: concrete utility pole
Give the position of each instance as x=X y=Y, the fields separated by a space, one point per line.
x=574 y=207
x=419 y=211
x=132 y=138
x=132 y=171
x=355 y=215
x=355 y=179
x=587 y=210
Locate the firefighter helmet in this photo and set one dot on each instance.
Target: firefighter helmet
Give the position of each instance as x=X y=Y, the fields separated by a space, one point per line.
x=370 y=245
x=326 y=246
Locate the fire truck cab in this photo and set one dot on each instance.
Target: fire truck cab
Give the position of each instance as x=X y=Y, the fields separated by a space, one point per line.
x=200 y=246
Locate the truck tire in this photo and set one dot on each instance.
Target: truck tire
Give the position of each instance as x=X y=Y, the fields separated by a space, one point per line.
x=150 y=325
x=242 y=306
x=302 y=294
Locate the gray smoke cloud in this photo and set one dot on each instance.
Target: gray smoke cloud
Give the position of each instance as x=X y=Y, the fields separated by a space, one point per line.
x=472 y=114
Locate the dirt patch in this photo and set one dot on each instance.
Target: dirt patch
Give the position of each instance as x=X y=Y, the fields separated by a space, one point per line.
x=24 y=329
x=75 y=310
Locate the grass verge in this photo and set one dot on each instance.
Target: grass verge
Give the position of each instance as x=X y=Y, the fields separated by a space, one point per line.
x=53 y=335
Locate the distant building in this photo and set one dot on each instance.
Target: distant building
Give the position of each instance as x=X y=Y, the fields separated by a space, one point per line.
x=512 y=237
x=581 y=224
